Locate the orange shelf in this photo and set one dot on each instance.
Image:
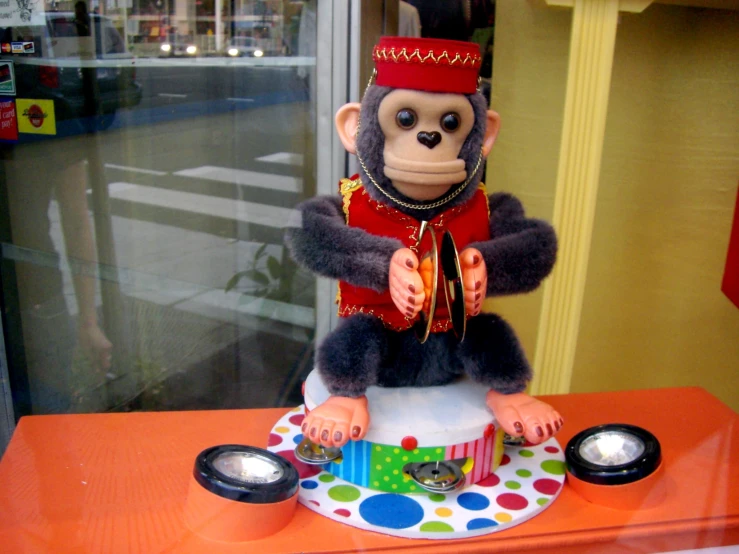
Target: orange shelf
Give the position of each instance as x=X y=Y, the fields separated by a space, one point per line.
x=118 y=483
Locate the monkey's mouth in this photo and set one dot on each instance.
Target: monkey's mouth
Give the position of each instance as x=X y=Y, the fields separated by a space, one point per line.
x=424 y=173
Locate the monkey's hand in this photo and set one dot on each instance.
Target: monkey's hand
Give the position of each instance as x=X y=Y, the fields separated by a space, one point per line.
x=406 y=285
x=337 y=420
x=474 y=279
x=522 y=415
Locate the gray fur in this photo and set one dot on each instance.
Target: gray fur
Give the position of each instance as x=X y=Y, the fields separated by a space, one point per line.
x=326 y=245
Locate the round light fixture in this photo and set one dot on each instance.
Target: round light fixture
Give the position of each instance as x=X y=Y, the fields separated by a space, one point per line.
x=191 y=50
x=240 y=493
x=614 y=464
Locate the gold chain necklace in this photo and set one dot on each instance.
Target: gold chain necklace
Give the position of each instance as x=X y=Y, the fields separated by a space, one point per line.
x=421 y=206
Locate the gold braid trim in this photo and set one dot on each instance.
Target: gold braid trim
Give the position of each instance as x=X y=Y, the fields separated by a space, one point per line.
x=390 y=55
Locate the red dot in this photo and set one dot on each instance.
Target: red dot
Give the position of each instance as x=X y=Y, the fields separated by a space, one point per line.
x=552 y=449
x=489 y=481
x=274 y=439
x=511 y=501
x=314 y=502
x=302 y=389
x=409 y=443
x=304 y=470
x=489 y=430
x=546 y=486
x=297 y=419
x=505 y=460
x=342 y=512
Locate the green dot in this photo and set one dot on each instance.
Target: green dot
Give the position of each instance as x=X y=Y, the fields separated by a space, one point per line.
x=378 y=467
x=377 y=483
x=396 y=450
x=542 y=501
x=344 y=493
x=415 y=451
x=555 y=467
x=326 y=478
x=523 y=473
x=426 y=458
x=412 y=487
x=438 y=450
x=378 y=448
x=437 y=527
x=386 y=478
x=395 y=472
x=394 y=486
x=436 y=497
x=388 y=459
x=405 y=458
x=526 y=453
x=513 y=485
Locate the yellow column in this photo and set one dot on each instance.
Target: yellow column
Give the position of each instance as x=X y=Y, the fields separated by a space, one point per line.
x=586 y=102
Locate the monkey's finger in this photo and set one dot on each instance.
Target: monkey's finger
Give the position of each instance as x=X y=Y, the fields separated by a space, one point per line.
x=404 y=257
x=471 y=258
x=401 y=292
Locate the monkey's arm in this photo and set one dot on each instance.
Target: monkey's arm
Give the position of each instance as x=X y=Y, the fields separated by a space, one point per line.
x=521 y=250
x=325 y=244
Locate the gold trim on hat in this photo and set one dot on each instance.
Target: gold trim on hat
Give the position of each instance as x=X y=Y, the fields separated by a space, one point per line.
x=389 y=54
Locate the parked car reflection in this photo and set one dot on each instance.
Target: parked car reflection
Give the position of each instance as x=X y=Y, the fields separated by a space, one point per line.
x=244 y=46
x=85 y=69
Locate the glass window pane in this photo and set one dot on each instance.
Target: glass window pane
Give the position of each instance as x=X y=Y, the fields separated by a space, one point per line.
x=160 y=149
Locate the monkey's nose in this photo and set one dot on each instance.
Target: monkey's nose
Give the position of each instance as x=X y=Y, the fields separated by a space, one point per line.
x=429 y=139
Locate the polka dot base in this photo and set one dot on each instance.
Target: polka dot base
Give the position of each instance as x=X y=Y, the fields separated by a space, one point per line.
x=525 y=485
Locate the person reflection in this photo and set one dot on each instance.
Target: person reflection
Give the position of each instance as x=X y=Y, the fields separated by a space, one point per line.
x=37 y=176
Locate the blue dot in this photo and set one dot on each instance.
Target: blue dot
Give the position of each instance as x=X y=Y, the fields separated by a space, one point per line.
x=297 y=439
x=309 y=484
x=481 y=523
x=473 y=501
x=394 y=511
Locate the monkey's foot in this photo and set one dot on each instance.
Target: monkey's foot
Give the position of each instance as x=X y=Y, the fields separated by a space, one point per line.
x=337 y=420
x=523 y=415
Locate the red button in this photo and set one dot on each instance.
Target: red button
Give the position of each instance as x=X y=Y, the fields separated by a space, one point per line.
x=409 y=443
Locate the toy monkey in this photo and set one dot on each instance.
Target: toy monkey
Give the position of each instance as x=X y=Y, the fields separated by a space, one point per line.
x=421 y=135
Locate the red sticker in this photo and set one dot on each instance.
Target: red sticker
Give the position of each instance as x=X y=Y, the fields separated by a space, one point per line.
x=8 y=120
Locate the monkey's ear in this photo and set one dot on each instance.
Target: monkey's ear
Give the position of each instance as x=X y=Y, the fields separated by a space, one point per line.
x=347 y=123
x=491 y=132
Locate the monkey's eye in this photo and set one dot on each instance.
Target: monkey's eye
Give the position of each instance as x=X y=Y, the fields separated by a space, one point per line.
x=450 y=122
x=406 y=118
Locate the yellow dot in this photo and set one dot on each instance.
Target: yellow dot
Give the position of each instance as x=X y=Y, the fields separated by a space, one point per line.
x=388 y=459
x=282 y=429
x=394 y=486
x=405 y=458
x=378 y=448
x=406 y=478
x=396 y=450
x=412 y=487
x=395 y=472
x=426 y=458
x=386 y=478
x=438 y=450
x=378 y=466
x=443 y=512
x=415 y=451
x=503 y=517
x=298 y=409
x=377 y=483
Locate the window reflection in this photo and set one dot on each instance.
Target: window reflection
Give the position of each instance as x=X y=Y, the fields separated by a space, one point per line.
x=144 y=251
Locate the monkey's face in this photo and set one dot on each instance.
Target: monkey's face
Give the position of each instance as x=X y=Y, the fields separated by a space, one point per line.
x=424 y=133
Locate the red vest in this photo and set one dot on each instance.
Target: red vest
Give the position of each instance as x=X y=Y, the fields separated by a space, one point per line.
x=468 y=223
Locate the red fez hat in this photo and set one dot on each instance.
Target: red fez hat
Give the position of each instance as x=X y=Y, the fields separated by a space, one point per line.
x=433 y=65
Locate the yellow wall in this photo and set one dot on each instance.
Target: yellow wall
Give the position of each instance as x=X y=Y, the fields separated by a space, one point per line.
x=653 y=313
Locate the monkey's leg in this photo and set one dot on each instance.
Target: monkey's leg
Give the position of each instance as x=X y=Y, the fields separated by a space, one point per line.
x=491 y=354
x=348 y=360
